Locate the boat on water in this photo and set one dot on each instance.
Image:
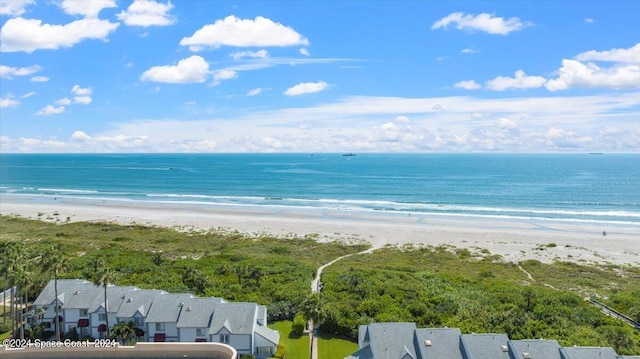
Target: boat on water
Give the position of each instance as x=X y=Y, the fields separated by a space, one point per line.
x=348 y=155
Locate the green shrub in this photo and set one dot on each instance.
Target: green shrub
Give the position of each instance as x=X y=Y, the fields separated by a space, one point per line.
x=299 y=323
x=279 y=352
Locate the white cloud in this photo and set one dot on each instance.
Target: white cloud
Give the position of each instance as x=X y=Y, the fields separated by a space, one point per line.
x=8 y=101
x=50 y=110
x=39 y=79
x=28 y=35
x=628 y=56
x=64 y=101
x=89 y=9
x=521 y=81
x=223 y=75
x=589 y=20
x=28 y=94
x=260 y=54
x=306 y=88
x=193 y=69
x=82 y=95
x=255 y=92
x=147 y=13
x=403 y=119
x=482 y=22
x=14 y=7
x=232 y=31
x=79 y=91
x=85 y=100
x=9 y=72
x=305 y=52
x=468 y=85
x=469 y=51
x=576 y=74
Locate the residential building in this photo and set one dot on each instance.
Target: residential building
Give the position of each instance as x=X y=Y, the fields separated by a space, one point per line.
x=405 y=341
x=158 y=316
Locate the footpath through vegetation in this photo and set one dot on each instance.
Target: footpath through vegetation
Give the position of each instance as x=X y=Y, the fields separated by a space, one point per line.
x=473 y=290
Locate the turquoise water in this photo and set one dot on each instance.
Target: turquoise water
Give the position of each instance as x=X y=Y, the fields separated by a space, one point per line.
x=581 y=187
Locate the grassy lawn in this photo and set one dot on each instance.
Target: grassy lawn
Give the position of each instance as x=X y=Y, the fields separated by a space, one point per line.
x=296 y=347
x=331 y=347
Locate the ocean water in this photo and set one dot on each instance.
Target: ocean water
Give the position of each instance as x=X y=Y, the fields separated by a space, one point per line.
x=575 y=187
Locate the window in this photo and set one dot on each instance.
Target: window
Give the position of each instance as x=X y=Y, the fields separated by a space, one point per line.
x=224 y=338
x=200 y=332
x=159 y=327
x=102 y=317
x=265 y=350
x=138 y=321
x=83 y=312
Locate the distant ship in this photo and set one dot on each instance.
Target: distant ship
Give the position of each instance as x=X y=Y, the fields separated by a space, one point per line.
x=596 y=153
x=349 y=155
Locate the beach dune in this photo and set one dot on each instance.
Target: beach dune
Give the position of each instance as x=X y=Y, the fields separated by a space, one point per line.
x=515 y=239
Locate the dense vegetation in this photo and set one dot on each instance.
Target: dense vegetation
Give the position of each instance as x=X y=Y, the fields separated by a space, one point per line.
x=430 y=286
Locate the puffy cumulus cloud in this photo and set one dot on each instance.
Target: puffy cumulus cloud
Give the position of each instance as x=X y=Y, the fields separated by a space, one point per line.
x=306 y=88
x=29 y=35
x=304 y=52
x=402 y=119
x=147 y=13
x=8 y=101
x=79 y=91
x=64 y=101
x=628 y=56
x=558 y=138
x=232 y=31
x=222 y=75
x=482 y=22
x=14 y=7
x=573 y=73
x=50 y=110
x=254 y=92
x=260 y=54
x=89 y=9
x=467 y=85
x=193 y=69
x=39 y=79
x=9 y=72
x=520 y=81
x=506 y=123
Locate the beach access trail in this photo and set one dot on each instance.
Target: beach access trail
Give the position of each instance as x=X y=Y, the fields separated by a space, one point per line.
x=316 y=287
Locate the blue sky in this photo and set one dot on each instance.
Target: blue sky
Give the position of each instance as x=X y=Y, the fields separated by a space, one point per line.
x=359 y=76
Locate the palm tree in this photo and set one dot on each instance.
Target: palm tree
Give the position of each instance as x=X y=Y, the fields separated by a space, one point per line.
x=124 y=332
x=313 y=309
x=104 y=275
x=4 y=268
x=24 y=279
x=54 y=262
x=14 y=258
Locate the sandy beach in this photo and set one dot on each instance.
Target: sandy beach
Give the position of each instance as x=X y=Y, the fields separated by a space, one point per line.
x=515 y=239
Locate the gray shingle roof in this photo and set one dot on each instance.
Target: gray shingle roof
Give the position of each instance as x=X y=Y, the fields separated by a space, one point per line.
x=196 y=312
x=166 y=307
x=66 y=287
x=485 y=346
x=115 y=296
x=438 y=343
x=535 y=348
x=390 y=340
x=238 y=318
x=137 y=301
x=587 y=353
x=269 y=334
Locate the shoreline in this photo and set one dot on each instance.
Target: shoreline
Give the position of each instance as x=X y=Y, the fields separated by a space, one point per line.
x=515 y=239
